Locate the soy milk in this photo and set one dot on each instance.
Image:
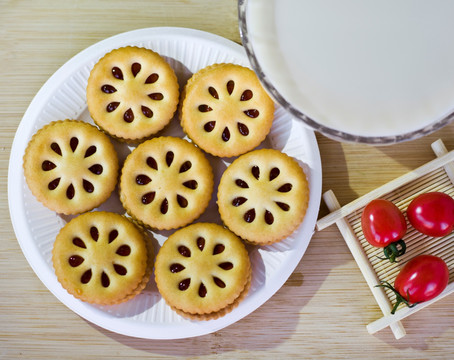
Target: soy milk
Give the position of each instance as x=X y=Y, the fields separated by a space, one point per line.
x=365 y=67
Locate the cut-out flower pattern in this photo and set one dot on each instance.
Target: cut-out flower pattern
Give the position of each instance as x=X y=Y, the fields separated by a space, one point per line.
x=211 y=273
x=223 y=100
x=88 y=251
x=155 y=190
x=132 y=92
x=73 y=167
x=270 y=183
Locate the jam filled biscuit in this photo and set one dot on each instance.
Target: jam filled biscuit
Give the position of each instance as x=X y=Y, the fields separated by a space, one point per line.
x=70 y=166
x=102 y=258
x=132 y=93
x=203 y=271
x=263 y=196
x=225 y=110
x=166 y=183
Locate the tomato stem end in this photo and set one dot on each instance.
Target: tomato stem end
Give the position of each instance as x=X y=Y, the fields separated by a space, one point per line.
x=394 y=250
x=399 y=298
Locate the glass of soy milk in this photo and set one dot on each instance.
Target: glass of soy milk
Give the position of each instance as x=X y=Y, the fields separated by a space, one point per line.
x=368 y=71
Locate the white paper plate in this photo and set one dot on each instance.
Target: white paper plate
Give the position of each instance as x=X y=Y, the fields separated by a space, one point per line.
x=63 y=96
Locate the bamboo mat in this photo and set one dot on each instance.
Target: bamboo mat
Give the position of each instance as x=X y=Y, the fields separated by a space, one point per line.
x=322 y=310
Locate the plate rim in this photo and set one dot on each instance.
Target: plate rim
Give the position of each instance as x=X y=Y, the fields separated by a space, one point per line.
x=86 y=311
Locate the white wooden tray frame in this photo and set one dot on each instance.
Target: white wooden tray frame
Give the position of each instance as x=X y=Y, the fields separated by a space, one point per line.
x=436 y=175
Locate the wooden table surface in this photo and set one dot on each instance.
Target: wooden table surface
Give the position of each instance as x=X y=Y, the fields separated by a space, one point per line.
x=322 y=310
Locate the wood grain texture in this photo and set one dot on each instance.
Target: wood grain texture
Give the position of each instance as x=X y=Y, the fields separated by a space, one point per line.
x=322 y=310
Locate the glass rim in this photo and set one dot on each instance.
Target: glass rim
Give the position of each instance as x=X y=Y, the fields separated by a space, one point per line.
x=298 y=114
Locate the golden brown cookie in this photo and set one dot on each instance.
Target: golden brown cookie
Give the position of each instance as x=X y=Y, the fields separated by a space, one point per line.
x=263 y=196
x=225 y=110
x=132 y=93
x=166 y=183
x=203 y=271
x=102 y=258
x=70 y=166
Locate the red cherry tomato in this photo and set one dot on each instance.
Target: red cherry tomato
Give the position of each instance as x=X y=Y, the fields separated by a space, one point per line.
x=384 y=226
x=382 y=223
x=422 y=278
x=432 y=214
